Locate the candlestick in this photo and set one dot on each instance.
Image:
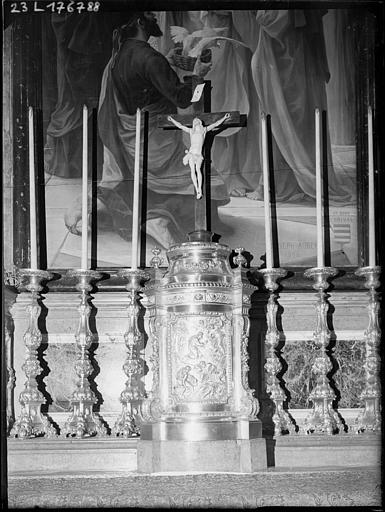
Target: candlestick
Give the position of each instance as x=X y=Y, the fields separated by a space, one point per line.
x=150 y=410
x=372 y=236
x=135 y=207
x=133 y=394
x=322 y=419
x=266 y=195
x=83 y=422
x=32 y=422
x=282 y=421
x=9 y=347
x=369 y=419
x=319 y=195
x=32 y=191
x=245 y=402
x=84 y=259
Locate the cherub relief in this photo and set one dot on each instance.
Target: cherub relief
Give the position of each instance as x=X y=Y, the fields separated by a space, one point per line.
x=186 y=380
x=196 y=344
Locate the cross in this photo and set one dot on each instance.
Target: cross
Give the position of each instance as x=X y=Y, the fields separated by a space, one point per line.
x=202 y=207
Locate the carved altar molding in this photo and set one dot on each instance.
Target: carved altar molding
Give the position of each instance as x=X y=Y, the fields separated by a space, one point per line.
x=110 y=416
x=200 y=297
x=304 y=336
x=297 y=299
x=110 y=300
x=201 y=284
x=116 y=337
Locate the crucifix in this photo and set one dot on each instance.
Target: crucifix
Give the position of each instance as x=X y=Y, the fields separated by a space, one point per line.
x=203 y=126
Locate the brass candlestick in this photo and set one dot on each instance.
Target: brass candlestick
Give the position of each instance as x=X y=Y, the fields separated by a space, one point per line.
x=370 y=418
x=281 y=419
x=83 y=422
x=11 y=379
x=133 y=393
x=150 y=409
x=249 y=405
x=31 y=422
x=322 y=418
x=11 y=280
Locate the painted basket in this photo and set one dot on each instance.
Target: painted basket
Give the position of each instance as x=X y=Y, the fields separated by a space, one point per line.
x=187 y=63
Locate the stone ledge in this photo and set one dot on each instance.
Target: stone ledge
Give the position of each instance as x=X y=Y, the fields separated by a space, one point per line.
x=68 y=455
x=295 y=280
x=298 y=440
x=344 y=450
x=71 y=443
x=118 y=454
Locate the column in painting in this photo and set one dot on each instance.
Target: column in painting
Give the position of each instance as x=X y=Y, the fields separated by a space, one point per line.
x=26 y=91
x=7 y=181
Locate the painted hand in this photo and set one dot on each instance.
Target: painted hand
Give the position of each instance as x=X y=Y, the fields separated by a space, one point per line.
x=201 y=68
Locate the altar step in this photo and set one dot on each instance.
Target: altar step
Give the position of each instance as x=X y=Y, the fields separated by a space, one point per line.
x=309 y=487
x=340 y=451
x=68 y=455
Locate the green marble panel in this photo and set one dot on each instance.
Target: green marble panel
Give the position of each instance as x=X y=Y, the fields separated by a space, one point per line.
x=107 y=379
x=348 y=375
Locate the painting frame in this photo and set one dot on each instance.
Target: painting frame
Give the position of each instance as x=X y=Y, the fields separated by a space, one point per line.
x=29 y=70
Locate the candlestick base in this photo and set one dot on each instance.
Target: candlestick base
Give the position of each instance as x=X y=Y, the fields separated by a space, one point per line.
x=283 y=423
x=83 y=422
x=323 y=419
x=31 y=422
x=132 y=396
x=370 y=418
